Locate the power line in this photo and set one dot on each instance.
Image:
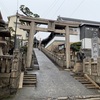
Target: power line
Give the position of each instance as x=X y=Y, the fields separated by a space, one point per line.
x=51 y=7
x=77 y=7
x=59 y=7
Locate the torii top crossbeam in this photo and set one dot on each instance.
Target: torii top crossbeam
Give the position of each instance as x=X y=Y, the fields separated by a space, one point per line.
x=53 y=25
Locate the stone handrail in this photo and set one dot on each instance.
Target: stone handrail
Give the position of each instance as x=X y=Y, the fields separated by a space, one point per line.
x=58 y=60
x=91 y=67
x=5 y=63
x=10 y=70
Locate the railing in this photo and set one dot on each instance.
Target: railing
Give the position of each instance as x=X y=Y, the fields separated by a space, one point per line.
x=10 y=69
x=5 y=69
x=91 y=67
x=58 y=60
x=5 y=63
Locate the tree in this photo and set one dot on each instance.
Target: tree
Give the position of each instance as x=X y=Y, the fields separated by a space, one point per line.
x=11 y=29
x=76 y=46
x=27 y=11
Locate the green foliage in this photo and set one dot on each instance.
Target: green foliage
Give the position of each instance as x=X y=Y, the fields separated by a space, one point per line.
x=27 y=11
x=76 y=46
x=11 y=29
x=23 y=49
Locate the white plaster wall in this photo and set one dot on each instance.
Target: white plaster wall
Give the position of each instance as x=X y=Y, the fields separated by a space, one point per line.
x=86 y=43
x=19 y=31
x=54 y=39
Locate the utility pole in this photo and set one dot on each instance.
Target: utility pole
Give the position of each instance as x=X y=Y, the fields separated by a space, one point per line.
x=15 y=39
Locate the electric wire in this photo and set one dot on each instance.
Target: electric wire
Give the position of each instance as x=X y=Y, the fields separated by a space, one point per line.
x=51 y=7
x=59 y=7
x=77 y=7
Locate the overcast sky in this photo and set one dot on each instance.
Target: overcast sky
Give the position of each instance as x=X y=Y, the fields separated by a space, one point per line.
x=50 y=9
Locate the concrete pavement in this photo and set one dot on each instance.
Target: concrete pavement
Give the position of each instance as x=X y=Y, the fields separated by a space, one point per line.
x=51 y=83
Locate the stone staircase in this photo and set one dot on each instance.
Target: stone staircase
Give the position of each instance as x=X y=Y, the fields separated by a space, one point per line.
x=34 y=63
x=86 y=81
x=30 y=80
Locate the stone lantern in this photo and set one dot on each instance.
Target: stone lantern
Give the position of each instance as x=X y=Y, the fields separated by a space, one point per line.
x=4 y=32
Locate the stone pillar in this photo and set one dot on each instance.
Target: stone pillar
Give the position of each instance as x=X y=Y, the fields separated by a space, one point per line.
x=1 y=51
x=30 y=45
x=40 y=44
x=67 y=44
x=15 y=72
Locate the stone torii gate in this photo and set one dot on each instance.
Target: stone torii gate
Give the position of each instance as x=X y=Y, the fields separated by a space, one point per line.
x=32 y=25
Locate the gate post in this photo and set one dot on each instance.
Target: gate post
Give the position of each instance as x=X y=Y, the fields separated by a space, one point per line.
x=67 y=45
x=30 y=44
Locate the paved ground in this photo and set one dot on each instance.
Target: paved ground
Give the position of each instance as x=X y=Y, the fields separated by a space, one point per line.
x=51 y=83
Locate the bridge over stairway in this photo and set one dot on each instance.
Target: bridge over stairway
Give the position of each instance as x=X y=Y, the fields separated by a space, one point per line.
x=51 y=82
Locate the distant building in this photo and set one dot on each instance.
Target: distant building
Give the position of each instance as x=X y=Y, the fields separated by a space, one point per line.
x=84 y=34
x=19 y=32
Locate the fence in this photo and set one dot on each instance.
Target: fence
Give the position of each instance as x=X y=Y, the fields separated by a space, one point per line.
x=91 y=67
x=10 y=69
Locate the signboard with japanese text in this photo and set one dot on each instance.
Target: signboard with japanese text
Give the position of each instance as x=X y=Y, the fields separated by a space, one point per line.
x=95 y=47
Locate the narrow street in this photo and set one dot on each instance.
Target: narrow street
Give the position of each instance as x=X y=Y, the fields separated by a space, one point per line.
x=51 y=82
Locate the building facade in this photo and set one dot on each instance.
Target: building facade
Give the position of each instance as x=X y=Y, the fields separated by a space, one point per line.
x=21 y=34
x=87 y=29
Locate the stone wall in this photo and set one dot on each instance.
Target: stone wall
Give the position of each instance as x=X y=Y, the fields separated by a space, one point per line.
x=92 y=68
x=56 y=59
x=10 y=70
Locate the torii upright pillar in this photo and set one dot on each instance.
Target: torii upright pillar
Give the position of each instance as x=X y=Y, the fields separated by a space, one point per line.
x=67 y=44
x=30 y=44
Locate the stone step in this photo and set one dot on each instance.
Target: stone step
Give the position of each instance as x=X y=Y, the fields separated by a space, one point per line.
x=31 y=75
x=29 y=85
x=88 y=84
x=30 y=79
x=79 y=77
x=62 y=98
x=91 y=87
x=29 y=69
x=29 y=82
x=36 y=67
x=85 y=82
x=82 y=79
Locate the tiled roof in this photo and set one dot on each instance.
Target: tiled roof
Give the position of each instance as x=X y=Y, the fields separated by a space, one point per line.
x=89 y=22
